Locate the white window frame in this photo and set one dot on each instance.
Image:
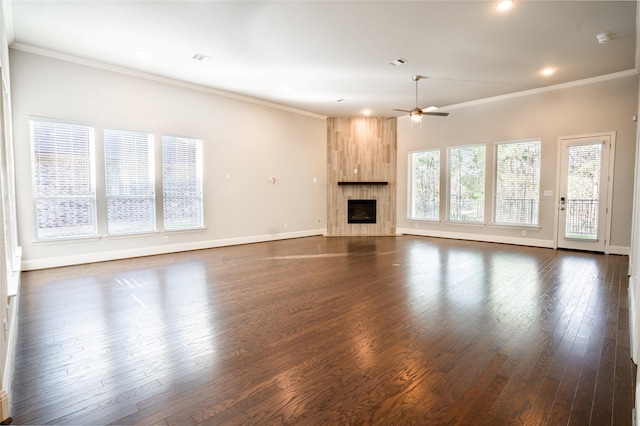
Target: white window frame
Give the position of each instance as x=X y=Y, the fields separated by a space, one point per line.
x=517 y=224
x=449 y=183
x=125 y=161
x=192 y=195
x=85 y=193
x=411 y=186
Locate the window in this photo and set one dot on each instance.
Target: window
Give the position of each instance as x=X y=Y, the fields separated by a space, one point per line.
x=466 y=183
x=424 y=195
x=517 y=183
x=63 y=179
x=129 y=179
x=182 y=183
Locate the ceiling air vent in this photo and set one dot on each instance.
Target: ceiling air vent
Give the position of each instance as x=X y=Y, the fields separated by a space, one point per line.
x=397 y=62
x=200 y=57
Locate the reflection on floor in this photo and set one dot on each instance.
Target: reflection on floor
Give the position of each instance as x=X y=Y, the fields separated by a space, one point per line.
x=366 y=330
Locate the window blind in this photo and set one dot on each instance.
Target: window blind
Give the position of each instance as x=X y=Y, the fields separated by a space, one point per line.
x=517 y=185
x=129 y=180
x=425 y=184
x=466 y=183
x=182 y=183
x=63 y=179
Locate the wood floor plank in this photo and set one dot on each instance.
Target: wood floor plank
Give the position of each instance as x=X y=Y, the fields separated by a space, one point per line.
x=345 y=330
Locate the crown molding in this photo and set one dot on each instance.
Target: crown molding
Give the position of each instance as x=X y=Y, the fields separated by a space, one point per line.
x=561 y=86
x=149 y=76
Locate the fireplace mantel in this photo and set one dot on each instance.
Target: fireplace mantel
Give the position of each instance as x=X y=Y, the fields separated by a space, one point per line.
x=363 y=183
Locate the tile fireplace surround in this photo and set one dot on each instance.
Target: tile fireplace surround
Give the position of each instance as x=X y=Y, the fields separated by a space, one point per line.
x=361 y=165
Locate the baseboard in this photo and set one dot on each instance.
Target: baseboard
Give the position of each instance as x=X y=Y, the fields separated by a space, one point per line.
x=621 y=250
x=633 y=315
x=5 y=415
x=30 y=265
x=532 y=242
x=9 y=364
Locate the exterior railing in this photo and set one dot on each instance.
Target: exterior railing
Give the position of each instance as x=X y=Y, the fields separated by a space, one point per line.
x=582 y=219
x=467 y=210
x=517 y=210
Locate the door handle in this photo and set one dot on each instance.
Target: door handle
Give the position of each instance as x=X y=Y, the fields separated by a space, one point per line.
x=561 y=208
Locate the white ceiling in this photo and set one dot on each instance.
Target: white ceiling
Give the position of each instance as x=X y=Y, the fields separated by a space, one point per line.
x=330 y=50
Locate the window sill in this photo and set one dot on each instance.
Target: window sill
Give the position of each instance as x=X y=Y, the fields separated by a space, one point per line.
x=183 y=231
x=139 y=234
x=410 y=219
x=65 y=240
x=457 y=222
x=516 y=226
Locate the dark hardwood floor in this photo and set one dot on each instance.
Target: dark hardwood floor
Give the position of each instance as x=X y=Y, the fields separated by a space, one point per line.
x=360 y=330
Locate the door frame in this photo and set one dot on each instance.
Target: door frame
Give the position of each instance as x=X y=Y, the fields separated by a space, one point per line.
x=612 y=150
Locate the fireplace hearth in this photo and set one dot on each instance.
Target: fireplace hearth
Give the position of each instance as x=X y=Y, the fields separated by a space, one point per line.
x=361 y=211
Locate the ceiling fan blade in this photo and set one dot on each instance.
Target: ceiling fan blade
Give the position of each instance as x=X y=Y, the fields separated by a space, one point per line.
x=402 y=110
x=438 y=114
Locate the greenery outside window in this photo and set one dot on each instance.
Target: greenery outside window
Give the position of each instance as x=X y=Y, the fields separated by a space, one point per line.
x=517 y=183
x=424 y=185
x=466 y=183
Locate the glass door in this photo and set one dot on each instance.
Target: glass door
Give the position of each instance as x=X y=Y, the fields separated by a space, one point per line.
x=582 y=205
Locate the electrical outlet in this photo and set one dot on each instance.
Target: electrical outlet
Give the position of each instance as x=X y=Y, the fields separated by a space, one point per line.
x=166 y=238
x=524 y=233
x=286 y=225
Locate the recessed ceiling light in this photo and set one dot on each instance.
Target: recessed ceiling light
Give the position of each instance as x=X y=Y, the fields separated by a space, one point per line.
x=504 y=5
x=366 y=112
x=143 y=53
x=548 y=71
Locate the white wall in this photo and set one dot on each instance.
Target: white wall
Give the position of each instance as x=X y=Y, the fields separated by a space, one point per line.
x=634 y=256
x=248 y=142
x=9 y=250
x=581 y=109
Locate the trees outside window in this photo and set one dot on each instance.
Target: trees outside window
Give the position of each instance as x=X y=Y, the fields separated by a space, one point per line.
x=517 y=183
x=424 y=184
x=466 y=183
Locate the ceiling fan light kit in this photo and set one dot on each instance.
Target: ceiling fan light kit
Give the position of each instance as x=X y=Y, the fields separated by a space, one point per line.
x=416 y=113
x=603 y=38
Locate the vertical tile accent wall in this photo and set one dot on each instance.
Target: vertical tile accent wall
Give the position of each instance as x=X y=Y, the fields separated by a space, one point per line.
x=361 y=150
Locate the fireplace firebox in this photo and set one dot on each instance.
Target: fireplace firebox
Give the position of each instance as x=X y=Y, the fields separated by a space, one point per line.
x=361 y=211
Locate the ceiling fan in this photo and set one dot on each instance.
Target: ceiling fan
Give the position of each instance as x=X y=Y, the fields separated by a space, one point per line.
x=416 y=113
